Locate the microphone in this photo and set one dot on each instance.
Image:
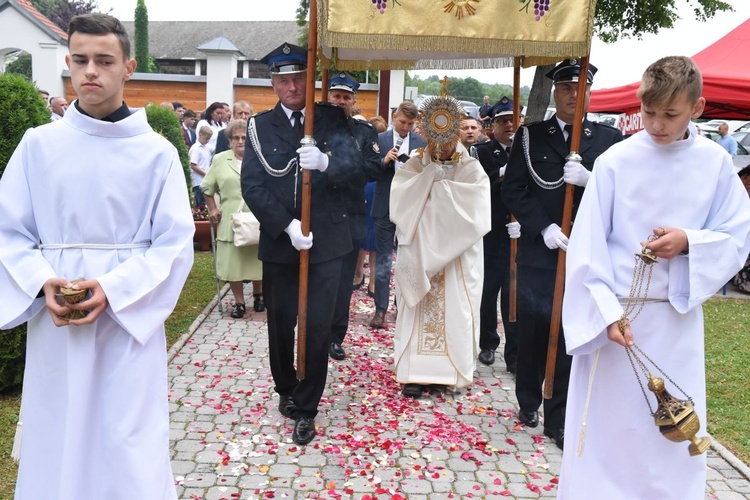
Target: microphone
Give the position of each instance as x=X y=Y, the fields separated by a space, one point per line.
x=399 y=142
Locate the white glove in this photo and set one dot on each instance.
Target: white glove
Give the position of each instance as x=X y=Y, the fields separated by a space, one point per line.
x=299 y=241
x=514 y=230
x=575 y=173
x=311 y=158
x=554 y=237
x=502 y=170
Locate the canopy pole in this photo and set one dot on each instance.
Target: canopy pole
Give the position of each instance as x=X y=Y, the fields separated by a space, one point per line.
x=567 y=222
x=308 y=141
x=513 y=279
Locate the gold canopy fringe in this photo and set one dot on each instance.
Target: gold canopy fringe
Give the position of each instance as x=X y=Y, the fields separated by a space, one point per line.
x=443 y=64
x=533 y=52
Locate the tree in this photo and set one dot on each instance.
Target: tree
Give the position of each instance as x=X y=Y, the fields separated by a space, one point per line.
x=21 y=66
x=466 y=89
x=616 y=19
x=61 y=12
x=142 y=57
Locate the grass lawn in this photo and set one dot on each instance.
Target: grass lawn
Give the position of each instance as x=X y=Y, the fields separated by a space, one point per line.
x=727 y=368
x=727 y=373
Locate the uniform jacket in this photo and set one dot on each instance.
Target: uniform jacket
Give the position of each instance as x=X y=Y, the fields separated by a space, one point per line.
x=492 y=156
x=535 y=207
x=368 y=169
x=275 y=201
x=382 y=196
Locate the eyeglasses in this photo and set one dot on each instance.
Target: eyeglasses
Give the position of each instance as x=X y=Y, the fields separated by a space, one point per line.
x=238 y=137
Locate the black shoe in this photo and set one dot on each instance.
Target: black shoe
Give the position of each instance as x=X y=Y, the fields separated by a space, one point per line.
x=238 y=312
x=529 y=418
x=412 y=390
x=336 y=352
x=287 y=406
x=557 y=435
x=258 y=304
x=304 y=430
x=487 y=356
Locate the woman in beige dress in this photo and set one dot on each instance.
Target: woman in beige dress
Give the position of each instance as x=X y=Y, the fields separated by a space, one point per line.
x=233 y=264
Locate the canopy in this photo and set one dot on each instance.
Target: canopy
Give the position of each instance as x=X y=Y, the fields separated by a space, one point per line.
x=452 y=34
x=726 y=81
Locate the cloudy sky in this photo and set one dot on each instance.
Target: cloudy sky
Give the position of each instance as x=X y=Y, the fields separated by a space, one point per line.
x=620 y=63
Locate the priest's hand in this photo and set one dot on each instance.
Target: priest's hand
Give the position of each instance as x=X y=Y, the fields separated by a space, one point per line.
x=575 y=173
x=51 y=289
x=311 y=158
x=95 y=304
x=514 y=230
x=625 y=339
x=299 y=241
x=554 y=237
x=669 y=242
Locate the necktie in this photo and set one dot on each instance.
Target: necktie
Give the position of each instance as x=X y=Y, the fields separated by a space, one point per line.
x=569 y=130
x=297 y=115
x=507 y=150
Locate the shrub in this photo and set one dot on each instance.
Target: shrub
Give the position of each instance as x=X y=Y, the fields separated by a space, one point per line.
x=165 y=123
x=20 y=109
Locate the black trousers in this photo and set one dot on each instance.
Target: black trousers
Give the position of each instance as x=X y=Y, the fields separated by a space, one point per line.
x=280 y=289
x=344 y=295
x=497 y=281
x=535 y=291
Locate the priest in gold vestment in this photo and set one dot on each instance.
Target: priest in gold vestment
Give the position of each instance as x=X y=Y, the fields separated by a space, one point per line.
x=440 y=204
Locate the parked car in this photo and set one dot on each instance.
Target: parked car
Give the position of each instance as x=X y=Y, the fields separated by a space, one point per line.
x=742 y=138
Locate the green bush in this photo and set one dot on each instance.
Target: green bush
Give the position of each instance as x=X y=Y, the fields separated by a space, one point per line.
x=166 y=123
x=20 y=109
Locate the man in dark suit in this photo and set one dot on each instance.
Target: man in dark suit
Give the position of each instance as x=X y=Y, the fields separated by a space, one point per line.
x=493 y=156
x=342 y=91
x=188 y=132
x=534 y=191
x=395 y=145
x=241 y=111
x=272 y=188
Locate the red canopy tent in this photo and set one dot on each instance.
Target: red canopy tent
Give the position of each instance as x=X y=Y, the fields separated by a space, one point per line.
x=726 y=83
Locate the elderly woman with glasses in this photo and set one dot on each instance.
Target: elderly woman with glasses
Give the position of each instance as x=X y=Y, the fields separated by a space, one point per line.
x=233 y=264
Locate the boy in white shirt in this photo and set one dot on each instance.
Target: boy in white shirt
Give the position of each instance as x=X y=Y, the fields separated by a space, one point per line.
x=200 y=161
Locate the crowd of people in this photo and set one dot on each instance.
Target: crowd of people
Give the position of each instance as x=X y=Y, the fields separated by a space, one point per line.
x=448 y=198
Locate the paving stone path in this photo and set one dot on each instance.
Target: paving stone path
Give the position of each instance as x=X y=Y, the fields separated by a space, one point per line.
x=229 y=441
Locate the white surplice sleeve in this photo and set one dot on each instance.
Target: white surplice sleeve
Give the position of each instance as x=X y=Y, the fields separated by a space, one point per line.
x=439 y=219
x=143 y=290
x=718 y=250
x=589 y=302
x=23 y=269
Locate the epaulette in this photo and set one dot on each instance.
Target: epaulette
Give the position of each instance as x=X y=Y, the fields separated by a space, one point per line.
x=600 y=124
x=364 y=122
x=262 y=112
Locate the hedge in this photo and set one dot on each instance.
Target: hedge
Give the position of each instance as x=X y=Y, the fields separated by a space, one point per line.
x=20 y=109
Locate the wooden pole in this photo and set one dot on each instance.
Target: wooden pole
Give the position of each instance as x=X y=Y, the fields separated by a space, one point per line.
x=304 y=255
x=324 y=85
x=513 y=278
x=567 y=222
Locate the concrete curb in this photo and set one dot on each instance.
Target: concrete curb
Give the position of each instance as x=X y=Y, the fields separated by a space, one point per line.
x=731 y=459
x=180 y=343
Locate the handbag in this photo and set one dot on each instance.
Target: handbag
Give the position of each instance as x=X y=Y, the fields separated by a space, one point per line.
x=245 y=227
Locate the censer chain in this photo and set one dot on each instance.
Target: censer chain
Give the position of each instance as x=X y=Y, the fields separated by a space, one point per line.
x=637 y=299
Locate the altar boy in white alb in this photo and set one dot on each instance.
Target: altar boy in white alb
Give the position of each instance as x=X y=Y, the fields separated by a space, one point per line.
x=671 y=184
x=440 y=204
x=96 y=195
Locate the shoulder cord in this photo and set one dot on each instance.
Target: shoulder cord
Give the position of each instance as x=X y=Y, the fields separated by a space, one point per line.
x=539 y=181
x=253 y=134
